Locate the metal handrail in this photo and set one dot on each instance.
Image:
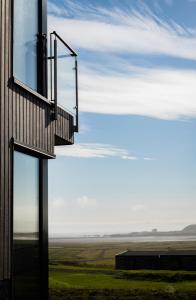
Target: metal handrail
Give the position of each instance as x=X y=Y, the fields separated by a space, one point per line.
x=66 y=45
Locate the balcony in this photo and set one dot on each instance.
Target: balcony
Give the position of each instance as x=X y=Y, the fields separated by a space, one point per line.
x=63 y=78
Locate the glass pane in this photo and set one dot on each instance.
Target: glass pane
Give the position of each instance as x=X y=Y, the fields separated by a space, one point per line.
x=26 y=227
x=66 y=79
x=25 y=41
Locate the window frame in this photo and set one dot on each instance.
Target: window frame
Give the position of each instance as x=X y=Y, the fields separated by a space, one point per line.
x=41 y=92
x=43 y=212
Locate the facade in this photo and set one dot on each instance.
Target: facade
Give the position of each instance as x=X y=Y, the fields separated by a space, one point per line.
x=38 y=110
x=156 y=260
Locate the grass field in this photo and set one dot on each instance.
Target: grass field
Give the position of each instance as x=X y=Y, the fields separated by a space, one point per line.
x=86 y=271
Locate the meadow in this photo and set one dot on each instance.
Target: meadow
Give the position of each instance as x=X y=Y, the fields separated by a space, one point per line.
x=84 y=271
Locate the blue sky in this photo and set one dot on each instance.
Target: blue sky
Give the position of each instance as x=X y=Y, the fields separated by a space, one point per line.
x=133 y=163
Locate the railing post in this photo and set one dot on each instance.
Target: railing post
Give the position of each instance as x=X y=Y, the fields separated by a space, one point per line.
x=55 y=79
x=76 y=76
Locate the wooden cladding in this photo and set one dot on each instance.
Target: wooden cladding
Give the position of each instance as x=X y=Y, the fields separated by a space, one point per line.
x=27 y=119
x=63 y=132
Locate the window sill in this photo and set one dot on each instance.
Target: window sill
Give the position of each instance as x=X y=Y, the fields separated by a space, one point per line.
x=30 y=91
x=31 y=150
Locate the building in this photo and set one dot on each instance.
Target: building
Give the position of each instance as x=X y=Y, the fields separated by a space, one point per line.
x=38 y=110
x=156 y=260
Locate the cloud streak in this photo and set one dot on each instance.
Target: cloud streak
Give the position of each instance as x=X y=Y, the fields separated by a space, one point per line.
x=159 y=93
x=123 y=31
x=91 y=150
x=124 y=89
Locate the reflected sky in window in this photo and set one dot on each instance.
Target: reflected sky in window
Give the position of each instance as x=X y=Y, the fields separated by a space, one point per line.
x=26 y=195
x=25 y=41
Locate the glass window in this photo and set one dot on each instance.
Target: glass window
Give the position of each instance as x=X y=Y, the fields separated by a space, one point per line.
x=25 y=42
x=26 y=260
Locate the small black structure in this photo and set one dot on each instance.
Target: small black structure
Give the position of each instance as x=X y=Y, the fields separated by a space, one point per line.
x=38 y=110
x=156 y=260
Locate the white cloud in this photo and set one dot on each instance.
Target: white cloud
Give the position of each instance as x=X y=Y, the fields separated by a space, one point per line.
x=128 y=157
x=91 y=150
x=148 y=158
x=58 y=203
x=86 y=201
x=138 y=207
x=124 y=31
x=159 y=93
x=56 y=9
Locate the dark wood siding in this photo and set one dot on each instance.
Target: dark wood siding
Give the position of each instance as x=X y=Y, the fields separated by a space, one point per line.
x=26 y=119
x=63 y=131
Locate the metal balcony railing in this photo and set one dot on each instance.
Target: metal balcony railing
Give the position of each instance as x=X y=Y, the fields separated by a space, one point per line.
x=63 y=77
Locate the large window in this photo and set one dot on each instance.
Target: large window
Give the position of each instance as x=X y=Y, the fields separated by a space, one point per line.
x=25 y=37
x=26 y=250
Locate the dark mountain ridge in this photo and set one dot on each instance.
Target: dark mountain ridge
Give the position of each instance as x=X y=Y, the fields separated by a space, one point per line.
x=189 y=229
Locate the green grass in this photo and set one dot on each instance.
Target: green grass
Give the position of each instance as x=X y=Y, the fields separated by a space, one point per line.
x=100 y=281
x=71 y=283
x=160 y=275
x=81 y=283
x=95 y=280
x=86 y=271
x=102 y=254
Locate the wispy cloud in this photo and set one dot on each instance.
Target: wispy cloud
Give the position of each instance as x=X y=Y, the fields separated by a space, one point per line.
x=58 y=203
x=149 y=158
x=159 y=93
x=57 y=10
x=128 y=157
x=116 y=87
x=123 y=31
x=138 y=207
x=91 y=150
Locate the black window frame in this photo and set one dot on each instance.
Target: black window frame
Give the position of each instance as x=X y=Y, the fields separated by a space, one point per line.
x=41 y=92
x=43 y=212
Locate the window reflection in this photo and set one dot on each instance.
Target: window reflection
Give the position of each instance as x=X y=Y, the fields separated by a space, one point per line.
x=25 y=41
x=26 y=197
x=26 y=261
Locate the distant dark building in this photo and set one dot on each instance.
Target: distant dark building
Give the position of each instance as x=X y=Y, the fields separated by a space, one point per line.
x=156 y=260
x=38 y=110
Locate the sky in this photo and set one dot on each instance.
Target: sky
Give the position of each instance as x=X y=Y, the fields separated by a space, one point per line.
x=133 y=164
